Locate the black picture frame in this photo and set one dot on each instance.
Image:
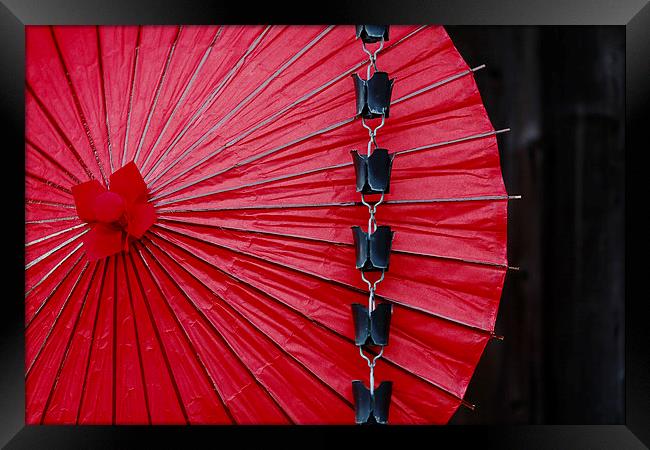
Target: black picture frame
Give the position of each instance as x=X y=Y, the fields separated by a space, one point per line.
x=634 y=15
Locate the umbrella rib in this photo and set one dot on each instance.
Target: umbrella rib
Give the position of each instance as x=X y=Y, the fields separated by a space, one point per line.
x=53 y=269
x=134 y=72
x=239 y=314
x=52 y=161
x=213 y=327
x=327 y=241
x=322 y=278
x=429 y=382
x=209 y=99
x=33 y=201
x=453 y=141
x=53 y=250
x=253 y=184
x=292 y=105
x=48 y=183
x=337 y=204
x=115 y=300
x=77 y=104
x=296 y=141
x=286 y=145
x=163 y=351
x=56 y=321
x=254 y=207
x=161 y=80
x=92 y=341
x=186 y=89
x=240 y=105
x=57 y=219
x=196 y=354
x=295 y=311
x=459 y=199
x=312 y=171
x=49 y=296
x=241 y=163
x=291 y=143
x=67 y=347
x=137 y=340
x=50 y=236
x=59 y=130
x=102 y=86
x=439 y=83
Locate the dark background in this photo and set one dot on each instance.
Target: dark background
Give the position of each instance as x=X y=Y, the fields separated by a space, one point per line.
x=562 y=92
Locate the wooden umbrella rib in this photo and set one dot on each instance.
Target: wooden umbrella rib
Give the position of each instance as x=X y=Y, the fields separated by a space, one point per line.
x=56 y=321
x=295 y=103
x=77 y=104
x=291 y=143
x=337 y=204
x=66 y=140
x=206 y=103
x=159 y=86
x=458 y=199
x=320 y=277
x=52 y=161
x=49 y=183
x=239 y=314
x=35 y=201
x=137 y=340
x=188 y=340
x=134 y=67
x=438 y=83
x=290 y=308
x=102 y=88
x=454 y=141
x=253 y=184
x=240 y=105
x=67 y=347
x=308 y=172
x=114 y=365
x=54 y=250
x=92 y=341
x=327 y=241
x=163 y=351
x=242 y=163
x=53 y=235
x=186 y=89
x=257 y=206
x=54 y=220
x=51 y=294
x=211 y=325
x=53 y=269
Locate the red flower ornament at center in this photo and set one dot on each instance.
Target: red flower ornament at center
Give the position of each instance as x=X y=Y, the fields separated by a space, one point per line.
x=116 y=215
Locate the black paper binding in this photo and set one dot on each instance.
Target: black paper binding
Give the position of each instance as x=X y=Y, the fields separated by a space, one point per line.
x=373 y=251
x=373 y=172
x=372 y=33
x=371 y=329
x=372 y=409
x=373 y=95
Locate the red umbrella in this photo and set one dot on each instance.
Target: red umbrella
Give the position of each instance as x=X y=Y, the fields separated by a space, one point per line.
x=190 y=194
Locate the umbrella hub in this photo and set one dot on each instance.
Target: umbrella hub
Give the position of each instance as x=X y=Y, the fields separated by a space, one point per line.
x=109 y=207
x=115 y=215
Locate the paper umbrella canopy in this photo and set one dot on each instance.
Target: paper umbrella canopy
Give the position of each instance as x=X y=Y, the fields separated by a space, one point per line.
x=189 y=198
